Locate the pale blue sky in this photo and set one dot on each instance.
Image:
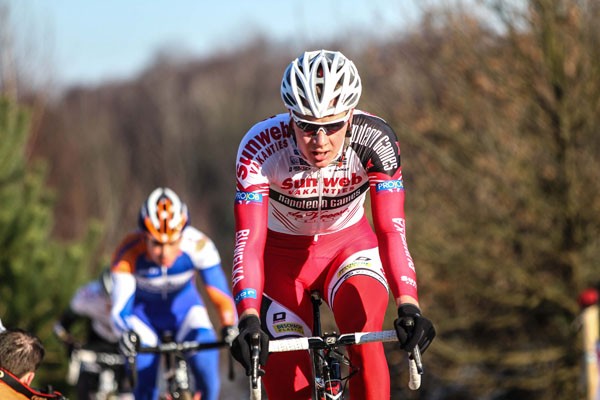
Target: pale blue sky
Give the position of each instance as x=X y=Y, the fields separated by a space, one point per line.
x=81 y=41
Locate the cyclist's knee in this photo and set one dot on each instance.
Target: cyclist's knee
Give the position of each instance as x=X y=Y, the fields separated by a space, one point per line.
x=360 y=304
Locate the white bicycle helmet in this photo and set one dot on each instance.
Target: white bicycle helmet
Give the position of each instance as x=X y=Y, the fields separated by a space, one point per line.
x=163 y=215
x=320 y=83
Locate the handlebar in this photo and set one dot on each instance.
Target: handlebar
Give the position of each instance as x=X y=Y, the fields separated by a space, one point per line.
x=103 y=358
x=415 y=368
x=173 y=347
x=333 y=341
x=168 y=347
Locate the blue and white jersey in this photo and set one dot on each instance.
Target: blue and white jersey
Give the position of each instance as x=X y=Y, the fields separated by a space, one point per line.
x=166 y=294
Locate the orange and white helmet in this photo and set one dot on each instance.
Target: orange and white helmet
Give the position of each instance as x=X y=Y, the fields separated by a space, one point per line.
x=163 y=215
x=320 y=83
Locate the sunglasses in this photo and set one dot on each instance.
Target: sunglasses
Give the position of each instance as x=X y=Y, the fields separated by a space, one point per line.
x=328 y=127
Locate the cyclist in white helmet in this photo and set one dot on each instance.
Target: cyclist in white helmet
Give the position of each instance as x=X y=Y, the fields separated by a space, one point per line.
x=91 y=305
x=154 y=273
x=302 y=179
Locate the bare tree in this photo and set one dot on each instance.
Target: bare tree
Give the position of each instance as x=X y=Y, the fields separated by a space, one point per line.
x=498 y=124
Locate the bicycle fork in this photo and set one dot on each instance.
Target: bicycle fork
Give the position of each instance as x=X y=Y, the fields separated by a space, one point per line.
x=327 y=368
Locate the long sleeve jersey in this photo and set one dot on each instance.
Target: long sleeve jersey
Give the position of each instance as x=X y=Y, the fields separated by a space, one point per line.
x=280 y=191
x=138 y=279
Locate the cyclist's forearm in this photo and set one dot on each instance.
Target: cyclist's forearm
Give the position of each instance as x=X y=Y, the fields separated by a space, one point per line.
x=248 y=312
x=61 y=333
x=224 y=305
x=250 y=239
x=406 y=299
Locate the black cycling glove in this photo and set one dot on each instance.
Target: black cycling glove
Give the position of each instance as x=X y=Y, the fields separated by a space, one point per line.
x=412 y=328
x=240 y=349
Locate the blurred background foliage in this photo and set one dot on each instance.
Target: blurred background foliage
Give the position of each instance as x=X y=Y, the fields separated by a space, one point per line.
x=497 y=116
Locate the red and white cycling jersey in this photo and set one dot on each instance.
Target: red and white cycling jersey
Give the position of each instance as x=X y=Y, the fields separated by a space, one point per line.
x=277 y=189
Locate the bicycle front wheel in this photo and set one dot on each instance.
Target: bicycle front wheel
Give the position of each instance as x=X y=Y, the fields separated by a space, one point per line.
x=184 y=395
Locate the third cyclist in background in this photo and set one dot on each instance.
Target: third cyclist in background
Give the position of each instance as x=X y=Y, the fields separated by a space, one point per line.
x=302 y=179
x=154 y=273
x=91 y=304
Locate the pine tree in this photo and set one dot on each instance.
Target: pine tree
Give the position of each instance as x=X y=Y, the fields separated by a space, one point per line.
x=38 y=274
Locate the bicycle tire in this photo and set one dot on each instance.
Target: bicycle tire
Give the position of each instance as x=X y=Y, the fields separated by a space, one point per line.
x=186 y=395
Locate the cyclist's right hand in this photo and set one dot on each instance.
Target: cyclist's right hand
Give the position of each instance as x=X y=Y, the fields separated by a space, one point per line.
x=71 y=347
x=66 y=338
x=240 y=348
x=129 y=344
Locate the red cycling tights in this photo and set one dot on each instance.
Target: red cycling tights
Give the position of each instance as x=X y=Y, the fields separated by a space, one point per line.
x=294 y=267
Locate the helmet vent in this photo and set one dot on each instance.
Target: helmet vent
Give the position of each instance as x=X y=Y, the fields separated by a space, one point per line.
x=321 y=83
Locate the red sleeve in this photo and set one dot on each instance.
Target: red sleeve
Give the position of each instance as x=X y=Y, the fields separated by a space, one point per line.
x=387 y=205
x=250 y=211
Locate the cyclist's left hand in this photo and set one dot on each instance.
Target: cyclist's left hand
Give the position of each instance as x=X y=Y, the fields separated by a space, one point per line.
x=412 y=328
x=228 y=333
x=129 y=344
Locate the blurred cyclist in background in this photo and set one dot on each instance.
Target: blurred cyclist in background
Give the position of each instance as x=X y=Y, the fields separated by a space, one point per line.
x=302 y=179
x=154 y=273
x=92 y=304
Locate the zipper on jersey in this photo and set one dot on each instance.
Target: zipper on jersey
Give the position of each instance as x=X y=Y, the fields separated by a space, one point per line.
x=320 y=191
x=163 y=272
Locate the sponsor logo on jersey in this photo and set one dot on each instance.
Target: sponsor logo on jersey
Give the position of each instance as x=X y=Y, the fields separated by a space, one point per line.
x=298 y=164
x=318 y=204
x=327 y=182
x=152 y=271
x=393 y=186
x=408 y=280
x=298 y=168
x=245 y=294
x=371 y=137
x=279 y=316
x=241 y=238
x=288 y=327
x=400 y=226
x=248 y=197
x=360 y=262
x=297 y=160
x=200 y=244
x=262 y=146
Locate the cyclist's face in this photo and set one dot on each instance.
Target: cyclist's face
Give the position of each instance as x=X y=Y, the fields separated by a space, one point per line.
x=321 y=140
x=163 y=253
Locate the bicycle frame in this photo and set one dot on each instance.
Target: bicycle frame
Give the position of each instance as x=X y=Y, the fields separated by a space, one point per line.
x=326 y=355
x=176 y=368
x=328 y=383
x=102 y=363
